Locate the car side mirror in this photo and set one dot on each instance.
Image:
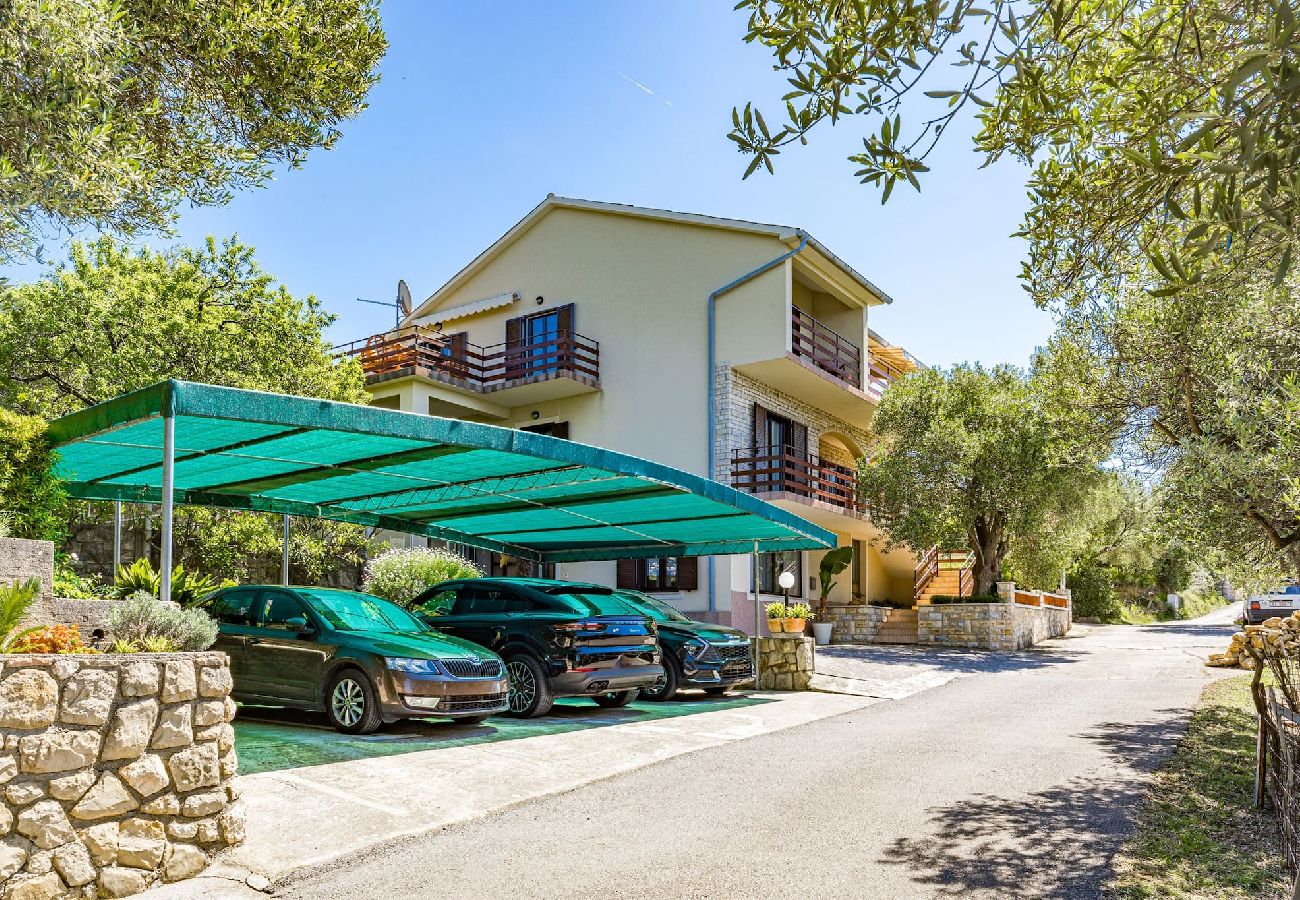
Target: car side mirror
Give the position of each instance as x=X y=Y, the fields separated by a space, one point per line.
x=300 y=625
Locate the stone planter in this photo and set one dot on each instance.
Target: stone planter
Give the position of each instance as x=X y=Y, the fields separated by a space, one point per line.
x=117 y=771
x=785 y=663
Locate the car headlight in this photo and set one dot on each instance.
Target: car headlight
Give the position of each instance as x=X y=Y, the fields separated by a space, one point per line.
x=413 y=666
x=695 y=648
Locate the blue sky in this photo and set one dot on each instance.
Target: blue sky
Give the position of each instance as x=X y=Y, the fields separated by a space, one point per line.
x=485 y=107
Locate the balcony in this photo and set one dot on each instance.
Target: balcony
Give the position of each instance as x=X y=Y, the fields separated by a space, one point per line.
x=797 y=475
x=564 y=364
x=826 y=349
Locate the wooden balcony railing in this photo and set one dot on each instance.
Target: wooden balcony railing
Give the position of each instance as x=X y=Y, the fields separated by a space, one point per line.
x=451 y=358
x=825 y=348
x=770 y=469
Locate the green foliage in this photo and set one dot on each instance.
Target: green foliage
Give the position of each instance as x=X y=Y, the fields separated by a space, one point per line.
x=115 y=319
x=775 y=610
x=15 y=600
x=187 y=587
x=1092 y=589
x=833 y=563
x=71 y=586
x=1161 y=132
x=973 y=457
x=32 y=501
x=141 y=618
x=798 y=611
x=400 y=574
x=116 y=113
x=247 y=546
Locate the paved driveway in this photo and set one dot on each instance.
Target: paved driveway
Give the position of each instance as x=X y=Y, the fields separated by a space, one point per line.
x=1018 y=781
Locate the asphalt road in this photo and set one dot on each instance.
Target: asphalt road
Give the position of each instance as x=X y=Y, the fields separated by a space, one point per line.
x=1018 y=782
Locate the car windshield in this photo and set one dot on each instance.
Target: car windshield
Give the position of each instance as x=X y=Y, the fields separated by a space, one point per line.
x=347 y=611
x=655 y=609
x=596 y=603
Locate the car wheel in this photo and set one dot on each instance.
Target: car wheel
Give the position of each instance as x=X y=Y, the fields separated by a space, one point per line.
x=666 y=687
x=350 y=703
x=468 y=720
x=530 y=693
x=615 y=699
x=717 y=691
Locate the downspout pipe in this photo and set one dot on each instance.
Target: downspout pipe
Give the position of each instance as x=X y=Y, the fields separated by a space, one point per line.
x=710 y=381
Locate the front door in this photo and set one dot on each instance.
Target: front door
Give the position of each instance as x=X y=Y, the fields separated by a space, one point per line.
x=285 y=661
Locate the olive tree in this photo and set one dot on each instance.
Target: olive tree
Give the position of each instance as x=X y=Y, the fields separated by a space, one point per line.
x=972 y=457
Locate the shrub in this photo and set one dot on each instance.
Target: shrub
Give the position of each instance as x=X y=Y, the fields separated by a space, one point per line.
x=141 y=619
x=188 y=588
x=31 y=498
x=69 y=585
x=15 y=600
x=1092 y=587
x=399 y=575
x=51 y=639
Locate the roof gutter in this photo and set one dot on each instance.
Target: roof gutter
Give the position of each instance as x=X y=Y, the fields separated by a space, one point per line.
x=711 y=381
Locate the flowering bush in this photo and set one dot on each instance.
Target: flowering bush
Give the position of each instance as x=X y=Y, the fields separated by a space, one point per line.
x=399 y=575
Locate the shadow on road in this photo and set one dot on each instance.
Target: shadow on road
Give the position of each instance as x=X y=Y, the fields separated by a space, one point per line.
x=1053 y=843
x=951 y=659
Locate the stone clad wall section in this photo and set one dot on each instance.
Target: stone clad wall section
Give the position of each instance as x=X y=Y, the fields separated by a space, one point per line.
x=785 y=663
x=989 y=626
x=117 y=771
x=855 y=624
x=22 y=559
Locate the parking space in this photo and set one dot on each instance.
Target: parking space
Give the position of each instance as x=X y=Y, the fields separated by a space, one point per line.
x=270 y=739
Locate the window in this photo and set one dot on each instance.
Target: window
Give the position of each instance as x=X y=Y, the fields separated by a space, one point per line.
x=770 y=567
x=439 y=604
x=477 y=601
x=781 y=446
x=539 y=344
x=281 y=608
x=348 y=611
x=234 y=608
x=659 y=574
x=554 y=429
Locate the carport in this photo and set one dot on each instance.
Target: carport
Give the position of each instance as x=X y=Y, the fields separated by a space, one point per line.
x=527 y=495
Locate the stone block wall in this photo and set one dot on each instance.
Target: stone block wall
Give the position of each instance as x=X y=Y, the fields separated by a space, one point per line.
x=21 y=559
x=989 y=626
x=785 y=663
x=855 y=624
x=117 y=771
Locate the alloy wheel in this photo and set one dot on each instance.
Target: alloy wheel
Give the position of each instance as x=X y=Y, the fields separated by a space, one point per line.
x=523 y=686
x=348 y=702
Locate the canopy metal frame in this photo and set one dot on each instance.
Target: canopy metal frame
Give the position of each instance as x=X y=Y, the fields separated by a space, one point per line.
x=530 y=496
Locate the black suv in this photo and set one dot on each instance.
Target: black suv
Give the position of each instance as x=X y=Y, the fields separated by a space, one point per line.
x=695 y=654
x=558 y=638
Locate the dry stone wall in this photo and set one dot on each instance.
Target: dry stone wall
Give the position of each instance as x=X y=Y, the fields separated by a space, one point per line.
x=855 y=624
x=117 y=771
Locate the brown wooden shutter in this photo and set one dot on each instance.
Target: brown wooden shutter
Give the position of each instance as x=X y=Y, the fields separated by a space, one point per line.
x=514 y=355
x=799 y=438
x=562 y=352
x=688 y=573
x=628 y=574
x=760 y=429
x=559 y=430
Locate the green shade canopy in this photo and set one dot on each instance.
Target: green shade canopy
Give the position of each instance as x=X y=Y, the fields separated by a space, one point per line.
x=527 y=495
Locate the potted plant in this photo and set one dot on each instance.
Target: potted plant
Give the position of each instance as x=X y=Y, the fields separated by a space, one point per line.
x=796 y=617
x=832 y=564
x=775 y=618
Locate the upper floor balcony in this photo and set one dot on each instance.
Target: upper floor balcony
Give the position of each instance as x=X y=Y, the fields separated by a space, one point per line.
x=789 y=472
x=825 y=348
x=549 y=365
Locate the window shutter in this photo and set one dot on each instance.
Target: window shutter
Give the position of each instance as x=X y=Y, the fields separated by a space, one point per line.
x=688 y=569
x=514 y=348
x=628 y=573
x=565 y=314
x=760 y=428
x=560 y=430
x=799 y=438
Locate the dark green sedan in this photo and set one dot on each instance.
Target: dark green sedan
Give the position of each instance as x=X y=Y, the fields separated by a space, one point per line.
x=358 y=658
x=695 y=654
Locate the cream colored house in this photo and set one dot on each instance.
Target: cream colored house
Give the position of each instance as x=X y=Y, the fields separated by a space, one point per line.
x=731 y=349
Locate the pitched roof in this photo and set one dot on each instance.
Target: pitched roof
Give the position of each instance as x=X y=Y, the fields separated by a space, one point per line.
x=785 y=233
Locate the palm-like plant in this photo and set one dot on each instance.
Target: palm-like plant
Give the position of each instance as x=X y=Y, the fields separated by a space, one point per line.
x=15 y=600
x=833 y=563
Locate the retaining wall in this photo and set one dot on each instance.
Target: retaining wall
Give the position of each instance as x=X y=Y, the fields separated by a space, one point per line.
x=989 y=626
x=117 y=771
x=855 y=624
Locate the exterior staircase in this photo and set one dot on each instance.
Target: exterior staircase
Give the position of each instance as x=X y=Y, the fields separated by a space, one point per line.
x=948 y=573
x=899 y=628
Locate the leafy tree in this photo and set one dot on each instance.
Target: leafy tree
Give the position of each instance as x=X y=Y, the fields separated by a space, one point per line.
x=32 y=503
x=973 y=457
x=1164 y=130
x=118 y=111
x=1201 y=390
x=114 y=319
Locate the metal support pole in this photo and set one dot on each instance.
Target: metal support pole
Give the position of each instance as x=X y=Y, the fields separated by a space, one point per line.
x=284 y=555
x=117 y=536
x=758 y=622
x=168 y=480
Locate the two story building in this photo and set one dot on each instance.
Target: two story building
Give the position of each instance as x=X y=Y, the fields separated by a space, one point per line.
x=731 y=349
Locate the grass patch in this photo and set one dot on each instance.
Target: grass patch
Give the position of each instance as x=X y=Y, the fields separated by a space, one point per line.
x=1198 y=834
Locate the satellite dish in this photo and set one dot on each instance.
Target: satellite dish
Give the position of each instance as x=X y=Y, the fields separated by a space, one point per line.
x=403 y=297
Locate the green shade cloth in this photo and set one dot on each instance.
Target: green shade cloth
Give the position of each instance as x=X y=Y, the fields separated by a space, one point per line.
x=527 y=495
